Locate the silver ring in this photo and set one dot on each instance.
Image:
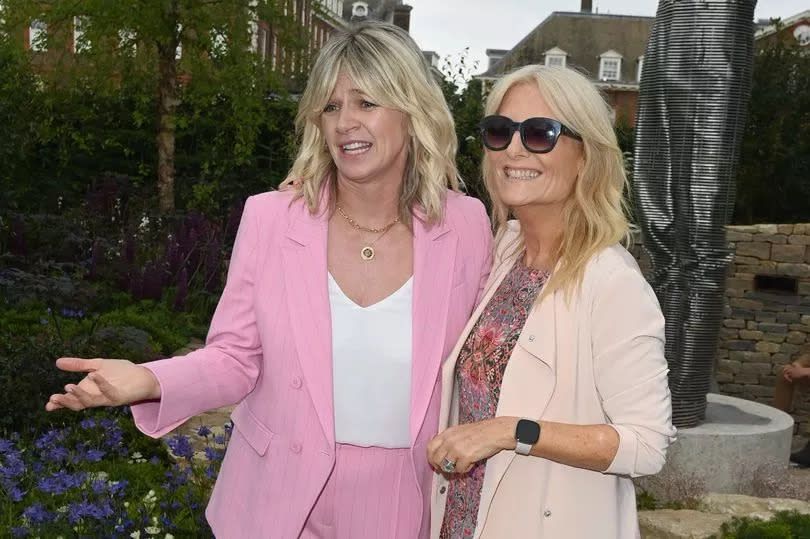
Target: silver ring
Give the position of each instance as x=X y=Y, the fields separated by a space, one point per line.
x=448 y=466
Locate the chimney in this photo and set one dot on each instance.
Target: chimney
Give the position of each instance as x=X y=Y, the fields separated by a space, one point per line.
x=402 y=17
x=586 y=6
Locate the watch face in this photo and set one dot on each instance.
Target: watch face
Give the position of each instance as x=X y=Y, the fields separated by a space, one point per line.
x=528 y=431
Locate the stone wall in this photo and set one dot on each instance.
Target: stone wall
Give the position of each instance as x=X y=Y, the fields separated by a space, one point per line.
x=767 y=315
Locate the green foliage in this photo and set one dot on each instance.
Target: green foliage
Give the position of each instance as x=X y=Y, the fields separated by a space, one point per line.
x=645 y=501
x=785 y=525
x=773 y=184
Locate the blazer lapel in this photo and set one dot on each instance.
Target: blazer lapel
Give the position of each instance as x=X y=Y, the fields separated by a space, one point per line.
x=527 y=387
x=434 y=257
x=305 y=275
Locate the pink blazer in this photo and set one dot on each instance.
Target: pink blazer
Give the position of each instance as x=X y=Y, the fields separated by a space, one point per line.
x=269 y=349
x=596 y=359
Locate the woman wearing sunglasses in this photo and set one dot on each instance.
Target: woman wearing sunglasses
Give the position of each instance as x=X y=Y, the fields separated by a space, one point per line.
x=556 y=393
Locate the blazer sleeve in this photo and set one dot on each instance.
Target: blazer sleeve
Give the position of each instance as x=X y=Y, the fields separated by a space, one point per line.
x=226 y=369
x=631 y=371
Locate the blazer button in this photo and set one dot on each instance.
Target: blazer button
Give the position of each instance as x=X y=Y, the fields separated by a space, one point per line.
x=442 y=490
x=296 y=382
x=546 y=513
x=295 y=448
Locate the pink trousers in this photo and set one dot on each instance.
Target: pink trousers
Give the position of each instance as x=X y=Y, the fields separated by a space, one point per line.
x=371 y=494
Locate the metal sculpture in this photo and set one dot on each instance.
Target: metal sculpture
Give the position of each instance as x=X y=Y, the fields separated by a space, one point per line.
x=695 y=88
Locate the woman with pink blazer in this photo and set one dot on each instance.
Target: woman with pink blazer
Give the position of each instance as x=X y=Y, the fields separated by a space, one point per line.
x=556 y=393
x=345 y=291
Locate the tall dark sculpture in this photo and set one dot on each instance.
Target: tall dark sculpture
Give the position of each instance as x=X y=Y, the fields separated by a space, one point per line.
x=695 y=88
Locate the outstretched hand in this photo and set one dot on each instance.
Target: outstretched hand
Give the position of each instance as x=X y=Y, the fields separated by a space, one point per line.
x=109 y=382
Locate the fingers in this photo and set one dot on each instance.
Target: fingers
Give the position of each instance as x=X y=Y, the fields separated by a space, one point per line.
x=65 y=401
x=76 y=364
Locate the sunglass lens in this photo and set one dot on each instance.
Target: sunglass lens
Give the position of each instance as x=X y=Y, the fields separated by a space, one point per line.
x=497 y=133
x=539 y=134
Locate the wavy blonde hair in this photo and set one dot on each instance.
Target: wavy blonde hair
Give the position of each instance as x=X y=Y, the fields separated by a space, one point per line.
x=385 y=63
x=594 y=216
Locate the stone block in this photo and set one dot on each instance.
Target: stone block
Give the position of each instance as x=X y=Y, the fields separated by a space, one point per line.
x=767 y=228
x=789 y=253
x=793 y=270
x=743 y=314
x=773 y=327
x=769 y=347
x=755 y=368
x=746 y=379
x=799 y=327
x=738 y=283
x=752 y=357
x=745 y=229
x=731 y=389
x=729 y=334
x=796 y=337
x=775 y=337
x=768 y=380
x=746 y=304
x=723 y=377
x=784 y=229
x=801 y=228
x=732 y=323
x=804 y=287
x=730 y=366
x=806 y=320
x=801 y=309
x=733 y=235
x=777 y=239
x=790 y=349
x=758 y=391
x=686 y=523
x=799 y=239
x=751 y=324
x=748 y=335
x=788 y=318
x=759 y=250
x=740 y=345
x=748 y=260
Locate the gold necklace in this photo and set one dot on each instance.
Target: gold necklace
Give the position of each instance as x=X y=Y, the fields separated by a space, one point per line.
x=367 y=250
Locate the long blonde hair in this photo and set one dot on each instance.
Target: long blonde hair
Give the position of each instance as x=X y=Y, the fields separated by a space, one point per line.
x=385 y=63
x=594 y=216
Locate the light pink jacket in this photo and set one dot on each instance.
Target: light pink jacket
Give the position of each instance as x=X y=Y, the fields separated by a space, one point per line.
x=599 y=359
x=269 y=348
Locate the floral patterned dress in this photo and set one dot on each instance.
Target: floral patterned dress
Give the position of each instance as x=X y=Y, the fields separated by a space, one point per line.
x=479 y=372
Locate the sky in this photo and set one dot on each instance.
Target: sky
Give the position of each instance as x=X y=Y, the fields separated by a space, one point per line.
x=448 y=26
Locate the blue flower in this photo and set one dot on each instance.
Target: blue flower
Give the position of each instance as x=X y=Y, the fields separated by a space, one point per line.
x=219 y=439
x=181 y=446
x=19 y=531
x=60 y=482
x=6 y=445
x=155 y=461
x=118 y=487
x=94 y=455
x=50 y=438
x=204 y=431
x=88 y=423
x=213 y=454
x=55 y=454
x=210 y=472
x=15 y=493
x=37 y=514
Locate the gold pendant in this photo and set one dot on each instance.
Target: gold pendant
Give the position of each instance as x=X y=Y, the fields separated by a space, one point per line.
x=367 y=253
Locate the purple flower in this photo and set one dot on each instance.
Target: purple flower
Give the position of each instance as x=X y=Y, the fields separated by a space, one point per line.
x=50 y=438
x=19 y=531
x=55 y=454
x=98 y=486
x=204 y=431
x=210 y=472
x=94 y=455
x=228 y=427
x=16 y=494
x=155 y=461
x=219 y=439
x=37 y=514
x=181 y=446
x=6 y=445
x=60 y=482
x=88 y=423
x=213 y=454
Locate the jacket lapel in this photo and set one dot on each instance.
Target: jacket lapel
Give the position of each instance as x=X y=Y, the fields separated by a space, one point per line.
x=434 y=257
x=527 y=387
x=305 y=275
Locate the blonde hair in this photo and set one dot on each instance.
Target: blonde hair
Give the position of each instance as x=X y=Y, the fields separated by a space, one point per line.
x=594 y=216
x=385 y=63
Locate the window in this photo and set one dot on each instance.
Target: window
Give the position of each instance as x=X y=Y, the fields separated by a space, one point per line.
x=802 y=34
x=38 y=36
x=178 y=52
x=219 y=43
x=127 y=42
x=556 y=57
x=639 y=68
x=610 y=66
x=80 y=41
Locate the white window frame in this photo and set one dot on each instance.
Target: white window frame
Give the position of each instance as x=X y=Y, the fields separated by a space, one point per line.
x=128 y=41
x=560 y=60
x=79 y=43
x=802 y=34
x=37 y=33
x=604 y=59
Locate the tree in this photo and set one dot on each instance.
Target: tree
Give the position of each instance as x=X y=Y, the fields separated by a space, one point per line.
x=773 y=183
x=178 y=48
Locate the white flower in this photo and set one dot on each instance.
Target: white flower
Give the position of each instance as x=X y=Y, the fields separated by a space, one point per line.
x=152 y=530
x=169 y=536
x=136 y=534
x=136 y=455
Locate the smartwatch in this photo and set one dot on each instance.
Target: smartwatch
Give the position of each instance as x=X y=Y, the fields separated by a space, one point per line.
x=526 y=434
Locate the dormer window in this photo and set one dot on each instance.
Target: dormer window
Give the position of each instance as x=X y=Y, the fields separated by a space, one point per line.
x=639 y=67
x=360 y=9
x=610 y=66
x=556 y=57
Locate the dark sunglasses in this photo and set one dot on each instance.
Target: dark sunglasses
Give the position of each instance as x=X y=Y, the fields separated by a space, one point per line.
x=538 y=135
